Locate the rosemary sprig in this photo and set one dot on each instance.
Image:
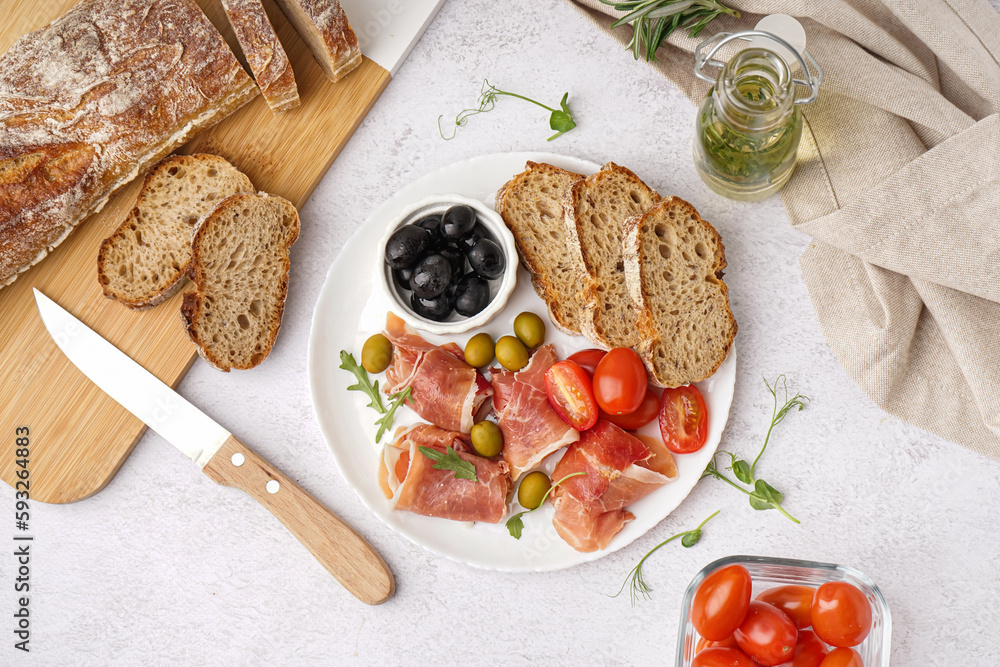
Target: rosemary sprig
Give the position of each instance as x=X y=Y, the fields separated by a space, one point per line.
x=653 y=20
x=560 y=119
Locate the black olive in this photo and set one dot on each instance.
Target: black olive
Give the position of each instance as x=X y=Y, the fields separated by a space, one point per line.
x=478 y=232
x=406 y=245
x=432 y=223
x=472 y=295
x=402 y=278
x=487 y=259
x=437 y=308
x=455 y=258
x=457 y=222
x=430 y=276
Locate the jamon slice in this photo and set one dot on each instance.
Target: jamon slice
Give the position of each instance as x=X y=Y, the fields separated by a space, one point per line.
x=531 y=428
x=409 y=478
x=445 y=390
x=590 y=509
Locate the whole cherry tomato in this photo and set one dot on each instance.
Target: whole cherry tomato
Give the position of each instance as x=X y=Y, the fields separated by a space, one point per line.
x=620 y=381
x=722 y=657
x=795 y=601
x=721 y=602
x=588 y=359
x=841 y=614
x=683 y=419
x=645 y=413
x=569 y=392
x=809 y=651
x=766 y=634
x=843 y=657
x=728 y=642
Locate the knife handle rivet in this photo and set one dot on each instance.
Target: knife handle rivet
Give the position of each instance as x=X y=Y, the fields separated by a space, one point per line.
x=272 y=486
x=238 y=459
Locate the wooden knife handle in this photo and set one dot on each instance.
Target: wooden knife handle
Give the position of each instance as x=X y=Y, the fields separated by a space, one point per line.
x=344 y=553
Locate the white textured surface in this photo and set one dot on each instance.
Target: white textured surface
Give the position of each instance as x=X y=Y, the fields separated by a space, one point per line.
x=164 y=567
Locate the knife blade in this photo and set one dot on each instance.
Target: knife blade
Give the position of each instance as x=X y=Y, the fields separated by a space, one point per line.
x=226 y=460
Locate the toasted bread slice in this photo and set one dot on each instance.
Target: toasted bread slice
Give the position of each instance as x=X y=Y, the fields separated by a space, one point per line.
x=323 y=26
x=240 y=271
x=146 y=259
x=673 y=268
x=595 y=211
x=531 y=207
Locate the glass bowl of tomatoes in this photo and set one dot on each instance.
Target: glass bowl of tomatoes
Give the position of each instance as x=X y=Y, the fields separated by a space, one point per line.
x=813 y=621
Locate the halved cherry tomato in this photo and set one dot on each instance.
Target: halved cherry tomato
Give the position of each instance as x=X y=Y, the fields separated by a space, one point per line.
x=841 y=614
x=645 y=413
x=795 y=601
x=843 y=657
x=683 y=419
x=809 y=651
x=588 y=359
x=620 y=382
x=766 y=634
x=722 y=657
x=728 y=642
x=721 y=602
x=570 y=393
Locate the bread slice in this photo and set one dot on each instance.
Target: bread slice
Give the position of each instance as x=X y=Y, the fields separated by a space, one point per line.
x=673 y=268
x=146 y=259
x=595 y=211
x=323 y=26
x=264 y=54
x=240 y=271
x=531 y=207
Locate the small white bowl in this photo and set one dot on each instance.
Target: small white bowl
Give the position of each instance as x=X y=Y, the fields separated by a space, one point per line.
x=500 y=289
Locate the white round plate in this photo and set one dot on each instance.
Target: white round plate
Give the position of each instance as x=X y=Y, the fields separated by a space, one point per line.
x=351 y=307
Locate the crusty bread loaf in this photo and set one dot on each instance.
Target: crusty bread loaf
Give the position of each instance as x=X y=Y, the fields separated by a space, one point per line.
x=146 y=259
x=673 y=268
x=595 y=211
x=264 y=54
x=90 y=101
x=531 y=207
x=323 y=26
x=240 y=271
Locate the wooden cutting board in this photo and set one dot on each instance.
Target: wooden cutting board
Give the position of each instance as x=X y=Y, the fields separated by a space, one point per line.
x=79 y=437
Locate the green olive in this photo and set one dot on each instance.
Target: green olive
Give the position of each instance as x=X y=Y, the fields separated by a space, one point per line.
x=511 y=353
x=529 y=329
x=487 y=438
x=479 y=350
x=376 y=354
x=532 y=489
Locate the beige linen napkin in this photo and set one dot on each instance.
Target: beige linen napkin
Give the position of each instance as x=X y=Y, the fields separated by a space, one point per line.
x=897 y=183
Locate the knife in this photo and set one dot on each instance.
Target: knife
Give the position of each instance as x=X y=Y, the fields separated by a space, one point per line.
x=226 y=460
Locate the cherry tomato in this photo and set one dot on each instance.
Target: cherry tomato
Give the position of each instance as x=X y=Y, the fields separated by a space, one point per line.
x=620 y=382
x=721 y=602
x=841 y=614
x=795 y=601
x=728 y=642
x=722 y=657
x=683 y=419
x=569 y=391
x=766 y=634
x=588 y=359
x=809 y=651
x=843 y=657
x=645 y=413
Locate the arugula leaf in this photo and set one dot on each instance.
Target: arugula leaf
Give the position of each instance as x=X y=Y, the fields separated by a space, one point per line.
x=450 y=460
x=385 y=422
x=515 y=525
x=364 y=383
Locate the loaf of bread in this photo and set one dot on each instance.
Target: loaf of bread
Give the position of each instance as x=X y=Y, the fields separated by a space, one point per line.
x=90 y=101
x=595 y=211
x=264 y=53
x=146 y=260
x=323 y=26
x=531 y=207
x=673 y=268
x=240 y=271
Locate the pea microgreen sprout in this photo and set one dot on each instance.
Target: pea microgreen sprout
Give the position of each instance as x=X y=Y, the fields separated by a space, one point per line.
x=762 y=496
x=637 y=585
x=560 y=120
x=515 y=525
